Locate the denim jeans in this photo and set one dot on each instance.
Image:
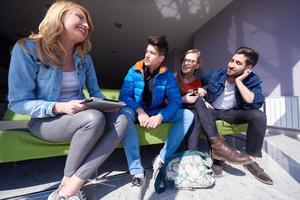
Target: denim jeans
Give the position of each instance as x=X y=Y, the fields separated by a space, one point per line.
x=203 y=122
x=181 y=120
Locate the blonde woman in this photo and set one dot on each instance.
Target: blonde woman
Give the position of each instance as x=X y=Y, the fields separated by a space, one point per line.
x=48 y=71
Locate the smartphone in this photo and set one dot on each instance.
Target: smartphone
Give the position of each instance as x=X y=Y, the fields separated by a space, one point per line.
x=192 y=92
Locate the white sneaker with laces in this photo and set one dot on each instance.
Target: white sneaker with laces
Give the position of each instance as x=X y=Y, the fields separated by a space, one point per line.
x=55 y=196
x=157 y=165
x=73 y=198
x=81 y=194
x=137 y=185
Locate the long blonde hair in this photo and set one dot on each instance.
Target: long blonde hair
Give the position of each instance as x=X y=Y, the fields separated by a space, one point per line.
x=49 y=48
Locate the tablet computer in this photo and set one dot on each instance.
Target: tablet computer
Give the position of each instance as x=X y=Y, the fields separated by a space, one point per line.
x=103 y=104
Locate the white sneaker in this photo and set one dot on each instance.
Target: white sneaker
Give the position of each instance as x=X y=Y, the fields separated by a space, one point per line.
x=137 y=186
x=55 y=196
x=81 y=194
x=73 y=198
x=157 y=165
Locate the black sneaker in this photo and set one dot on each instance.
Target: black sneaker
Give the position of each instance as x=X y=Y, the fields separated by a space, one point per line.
x=259 y=173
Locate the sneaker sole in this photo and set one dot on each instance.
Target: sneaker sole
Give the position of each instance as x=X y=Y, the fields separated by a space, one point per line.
x=232 y=162
x=218 y=176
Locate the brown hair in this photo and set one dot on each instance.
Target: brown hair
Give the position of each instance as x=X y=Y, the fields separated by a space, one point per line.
x=160 y=42
x=251 y=54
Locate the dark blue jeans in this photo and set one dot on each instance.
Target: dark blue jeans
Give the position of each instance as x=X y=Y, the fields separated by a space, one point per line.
x=205 y=122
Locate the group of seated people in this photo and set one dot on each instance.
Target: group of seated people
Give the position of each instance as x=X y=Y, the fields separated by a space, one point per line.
x=49 y=69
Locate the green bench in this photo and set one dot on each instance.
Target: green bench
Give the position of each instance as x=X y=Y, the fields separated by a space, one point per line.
x=17 y=144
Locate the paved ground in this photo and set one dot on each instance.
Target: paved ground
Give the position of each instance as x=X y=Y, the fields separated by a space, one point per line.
x=35 y=179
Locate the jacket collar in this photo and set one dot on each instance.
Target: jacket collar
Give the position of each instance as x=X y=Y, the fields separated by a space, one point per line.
x=139 y=67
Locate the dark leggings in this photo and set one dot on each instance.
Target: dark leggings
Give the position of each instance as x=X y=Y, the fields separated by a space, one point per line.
x=93 y=137
x=203 y=122
x=255 y=119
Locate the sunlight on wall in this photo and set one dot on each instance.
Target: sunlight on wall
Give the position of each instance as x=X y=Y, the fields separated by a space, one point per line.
x=267 y=46
x=169 y=8
x=243 y=32
x=296 y=81
x=270 y=67
x=295 y=55
x=276 y=91
x=194 y=6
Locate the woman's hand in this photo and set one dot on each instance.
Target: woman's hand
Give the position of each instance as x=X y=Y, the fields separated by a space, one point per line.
x=201 y=92
x=189 y=98
x=70 y=107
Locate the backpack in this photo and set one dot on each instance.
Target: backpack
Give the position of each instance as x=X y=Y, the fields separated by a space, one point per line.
x=185 y=170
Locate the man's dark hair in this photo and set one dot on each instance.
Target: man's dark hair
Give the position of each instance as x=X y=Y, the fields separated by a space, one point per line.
x=252 y=55
x=160 y=42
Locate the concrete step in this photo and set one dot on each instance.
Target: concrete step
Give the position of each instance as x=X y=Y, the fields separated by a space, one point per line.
x=285 y=151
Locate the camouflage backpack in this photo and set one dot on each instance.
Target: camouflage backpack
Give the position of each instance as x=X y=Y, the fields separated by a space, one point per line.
x=185 y=170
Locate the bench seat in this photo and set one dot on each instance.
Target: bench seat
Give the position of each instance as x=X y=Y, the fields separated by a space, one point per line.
x=17 y=143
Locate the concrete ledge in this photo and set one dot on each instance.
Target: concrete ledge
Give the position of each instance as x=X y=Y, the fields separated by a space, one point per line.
x=286 y=131
x=285 y=151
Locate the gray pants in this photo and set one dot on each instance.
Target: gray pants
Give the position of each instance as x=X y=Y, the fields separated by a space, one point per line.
x=93 y=135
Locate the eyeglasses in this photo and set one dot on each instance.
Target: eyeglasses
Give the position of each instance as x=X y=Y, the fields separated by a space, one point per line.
x=189 y=61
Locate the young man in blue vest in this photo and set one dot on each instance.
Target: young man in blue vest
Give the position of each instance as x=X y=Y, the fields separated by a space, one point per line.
x=152 y=97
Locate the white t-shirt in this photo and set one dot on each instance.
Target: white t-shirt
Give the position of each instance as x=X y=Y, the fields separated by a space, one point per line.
x=227 y=99
x=70 y=87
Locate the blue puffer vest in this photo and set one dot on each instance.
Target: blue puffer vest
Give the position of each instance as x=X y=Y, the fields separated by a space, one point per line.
x=164 y=88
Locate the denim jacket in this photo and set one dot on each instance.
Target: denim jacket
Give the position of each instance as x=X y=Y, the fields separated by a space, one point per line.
x=214 y=83
x=164 y=87
x=35 y=88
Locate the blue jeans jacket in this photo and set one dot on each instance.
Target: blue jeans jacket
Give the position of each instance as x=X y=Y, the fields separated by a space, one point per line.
x=214 y=83
x=35 y=88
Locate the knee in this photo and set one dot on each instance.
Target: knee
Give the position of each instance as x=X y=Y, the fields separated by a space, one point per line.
x=258 y=116
x=129 y=113
x=188 y=115
x=93 y=118
x=122 y=121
